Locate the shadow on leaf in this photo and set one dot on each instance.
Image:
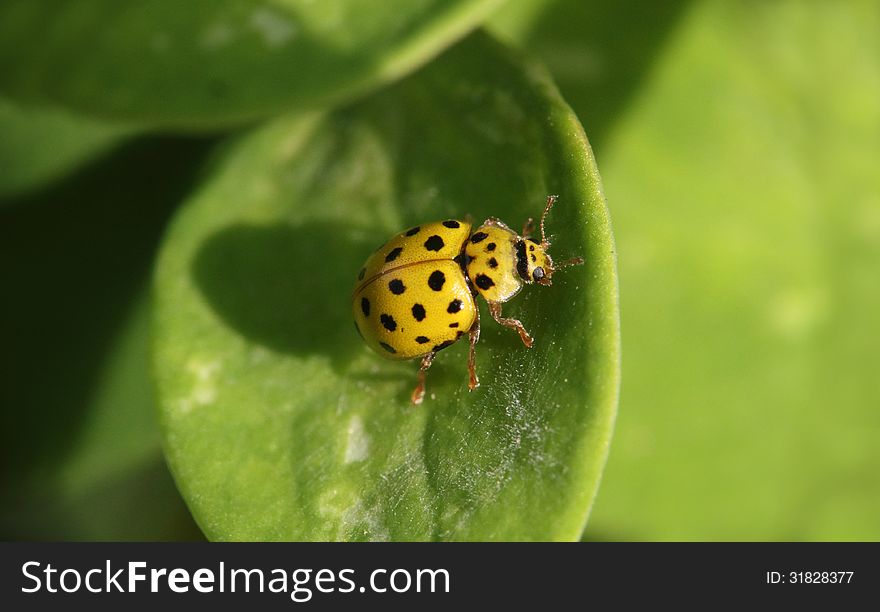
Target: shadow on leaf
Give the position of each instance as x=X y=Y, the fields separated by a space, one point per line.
x=76 y=254
x=281 y=286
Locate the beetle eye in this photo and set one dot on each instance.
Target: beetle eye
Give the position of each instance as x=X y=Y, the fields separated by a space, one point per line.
x=538 y=273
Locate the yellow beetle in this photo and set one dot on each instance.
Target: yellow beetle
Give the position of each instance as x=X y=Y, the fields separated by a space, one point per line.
x=415 y=294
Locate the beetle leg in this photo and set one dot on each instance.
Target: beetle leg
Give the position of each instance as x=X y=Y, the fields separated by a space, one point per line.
x=495 y=309
x=474 y=334
x=418 y=393
x=528 y=228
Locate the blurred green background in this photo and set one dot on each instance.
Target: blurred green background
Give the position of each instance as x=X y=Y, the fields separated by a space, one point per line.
x=739 y=143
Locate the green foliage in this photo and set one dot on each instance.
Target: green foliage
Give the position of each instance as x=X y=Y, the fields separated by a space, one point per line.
x=80 y=453
x=39 y=145
x=205 y=64
x=743 y=176
x=280 y=424
x=277 y=422
x=738 y=142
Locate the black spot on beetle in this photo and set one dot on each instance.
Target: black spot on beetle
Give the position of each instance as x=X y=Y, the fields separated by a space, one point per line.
x=493 y=263
x=418 y=312
x=393 y=254
x=453 y=324
x=491 y=246
x=387 y=347
x=462 y=259
x=484 y=282
x=451 y=224
x=434 y=243
x=454 y=306
x=422 y=339
x=534 y=259
x=413 y=231
x=436 y=280
x=388 y=322
x=361 y=274
x=531 y=247
x=479 y=237
x=396 y=286
x=443 y=345
x=522 y=265
x=365 y=306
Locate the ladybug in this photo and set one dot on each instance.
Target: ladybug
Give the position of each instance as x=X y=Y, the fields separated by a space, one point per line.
x=415 y=294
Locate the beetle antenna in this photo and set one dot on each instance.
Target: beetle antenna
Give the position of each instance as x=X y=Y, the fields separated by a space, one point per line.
x=551 y=200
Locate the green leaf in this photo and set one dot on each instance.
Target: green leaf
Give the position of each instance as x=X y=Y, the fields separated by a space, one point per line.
x=744 y=173
x=280 y=424
x=80 y=450
x=39 y=145
x=112 y=483
x=207 y=63
x=598 y=52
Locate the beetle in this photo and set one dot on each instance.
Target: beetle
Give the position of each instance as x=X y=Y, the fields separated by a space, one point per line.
x=415 y=295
